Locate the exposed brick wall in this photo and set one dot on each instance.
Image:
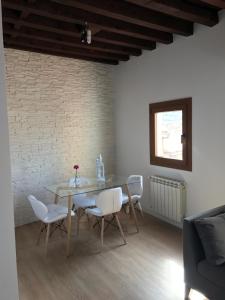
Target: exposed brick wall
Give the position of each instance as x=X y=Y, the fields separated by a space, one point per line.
x=60 y=113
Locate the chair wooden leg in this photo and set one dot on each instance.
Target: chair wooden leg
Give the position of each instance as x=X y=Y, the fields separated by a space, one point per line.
x=131 y=204
x=126 y=209
x=78 y=220
x=47 y=237
x=88 y=219
x=140 y=209
x=120 y=228
x=187 y=291
x=102 y=231
x=69 y=223
x=39 y=234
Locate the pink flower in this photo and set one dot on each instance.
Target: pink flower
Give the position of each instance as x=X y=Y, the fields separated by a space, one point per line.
x=76 y=167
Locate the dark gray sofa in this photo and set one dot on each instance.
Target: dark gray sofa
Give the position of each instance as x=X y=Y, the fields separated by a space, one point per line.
x=198 y=273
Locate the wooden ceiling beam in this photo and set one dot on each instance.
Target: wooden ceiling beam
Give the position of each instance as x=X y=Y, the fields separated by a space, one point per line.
x=67 y=30
x=125 y=40
x=116 y=39
x=111 y=38
x=74 y=16
x=55 y=53
x=23 y=15
x=60 y=39
x=46 y=46
x=34 y=42
x=182 y=10
x=217 y=3
x=32 y=34
x=132 y=13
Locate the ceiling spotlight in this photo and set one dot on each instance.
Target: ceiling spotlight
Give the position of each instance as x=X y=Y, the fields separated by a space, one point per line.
x=85 y=34
x=89 y=36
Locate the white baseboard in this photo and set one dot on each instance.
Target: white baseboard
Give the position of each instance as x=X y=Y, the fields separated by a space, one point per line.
x=152 y=213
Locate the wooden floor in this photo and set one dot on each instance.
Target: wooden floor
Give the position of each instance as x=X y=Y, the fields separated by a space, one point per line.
x=149 y=267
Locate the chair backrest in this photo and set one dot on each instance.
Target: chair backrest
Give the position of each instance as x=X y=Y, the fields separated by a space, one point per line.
x=110 y=201
x=135 y=185
x=39 y=208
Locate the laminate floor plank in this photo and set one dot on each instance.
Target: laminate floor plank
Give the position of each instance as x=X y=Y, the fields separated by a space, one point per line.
x=149 y=267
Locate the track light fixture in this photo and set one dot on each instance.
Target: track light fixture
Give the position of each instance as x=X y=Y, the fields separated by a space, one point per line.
x=85 y=34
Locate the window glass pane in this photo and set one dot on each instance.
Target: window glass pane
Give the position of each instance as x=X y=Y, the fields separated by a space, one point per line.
x=168 y=134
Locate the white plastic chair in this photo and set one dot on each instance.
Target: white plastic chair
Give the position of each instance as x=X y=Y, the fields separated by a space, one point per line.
x=82 y=201
x=108 y=202
x=135 y=186
x=48 y=214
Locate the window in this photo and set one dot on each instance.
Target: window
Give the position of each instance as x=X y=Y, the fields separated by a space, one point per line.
x=171 y=134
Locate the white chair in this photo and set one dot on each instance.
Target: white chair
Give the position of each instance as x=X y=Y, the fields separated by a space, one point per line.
x=108 y=202
x=135 y=186
x=48 y=214
x=82 y=201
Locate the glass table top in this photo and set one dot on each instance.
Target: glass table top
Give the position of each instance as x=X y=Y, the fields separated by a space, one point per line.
x=87 y=185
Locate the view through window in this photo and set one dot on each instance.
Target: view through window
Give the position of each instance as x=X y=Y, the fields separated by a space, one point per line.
x=171 y=134
x=169 y=131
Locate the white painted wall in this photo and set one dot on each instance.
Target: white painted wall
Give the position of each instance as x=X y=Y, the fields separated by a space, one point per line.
x=8 y=277
x=190 y=67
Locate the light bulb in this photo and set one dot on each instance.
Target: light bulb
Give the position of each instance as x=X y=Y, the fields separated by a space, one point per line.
x=89 y=36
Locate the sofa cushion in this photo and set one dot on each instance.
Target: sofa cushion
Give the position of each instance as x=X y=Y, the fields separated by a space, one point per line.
x=215 y=274
x=212 y=235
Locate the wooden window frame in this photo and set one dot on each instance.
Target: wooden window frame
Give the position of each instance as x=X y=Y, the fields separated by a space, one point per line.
x=179 y=104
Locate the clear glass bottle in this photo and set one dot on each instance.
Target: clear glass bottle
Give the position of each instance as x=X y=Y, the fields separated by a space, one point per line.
x=100 y=170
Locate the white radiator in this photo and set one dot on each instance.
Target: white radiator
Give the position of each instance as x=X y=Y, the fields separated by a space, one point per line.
x=167 y=199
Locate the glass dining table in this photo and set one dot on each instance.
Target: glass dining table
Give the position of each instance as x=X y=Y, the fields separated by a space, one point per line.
x=67 y=190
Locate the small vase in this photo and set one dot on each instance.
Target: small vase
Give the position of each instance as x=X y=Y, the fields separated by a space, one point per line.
x=75 y=180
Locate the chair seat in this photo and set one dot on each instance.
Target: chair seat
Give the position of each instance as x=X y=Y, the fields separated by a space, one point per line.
x=134 y=198
x=94 y=211
x=56 y=213
x=83 y=201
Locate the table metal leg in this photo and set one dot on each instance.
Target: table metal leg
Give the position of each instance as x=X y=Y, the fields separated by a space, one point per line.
x=132 y=207
x=47 y=238
x=56 y=199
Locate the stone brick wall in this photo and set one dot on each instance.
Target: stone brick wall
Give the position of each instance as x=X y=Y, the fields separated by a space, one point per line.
x=60 y=113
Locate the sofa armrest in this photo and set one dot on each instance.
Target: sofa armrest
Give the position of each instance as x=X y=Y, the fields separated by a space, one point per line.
x=192 y=248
